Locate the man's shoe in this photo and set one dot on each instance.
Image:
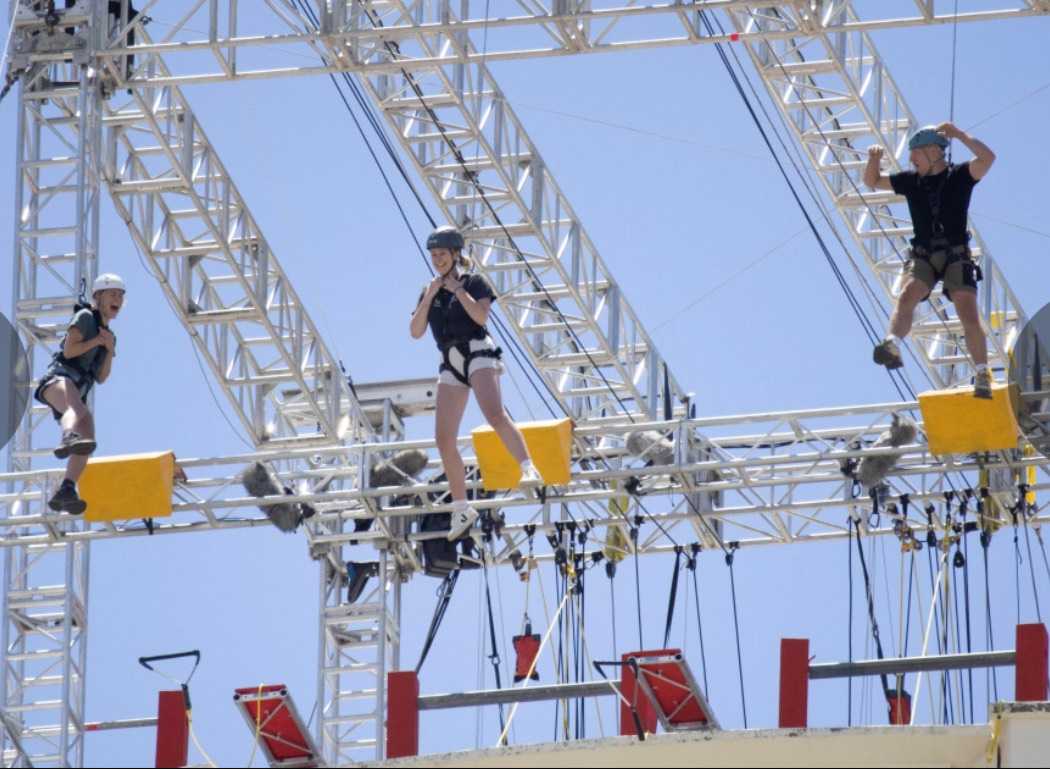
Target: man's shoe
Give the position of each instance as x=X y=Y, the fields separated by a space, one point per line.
x=888 y=354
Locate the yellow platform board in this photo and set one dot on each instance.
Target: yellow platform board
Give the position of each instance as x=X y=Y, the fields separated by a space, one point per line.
x=958 y=423
x=128 y=486
x=549 y=444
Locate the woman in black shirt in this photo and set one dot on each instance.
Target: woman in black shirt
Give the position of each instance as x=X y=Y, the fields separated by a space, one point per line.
x=456 y=306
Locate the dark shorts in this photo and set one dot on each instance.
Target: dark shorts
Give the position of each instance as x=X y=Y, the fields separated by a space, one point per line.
x=958 y=272
x=57 y=371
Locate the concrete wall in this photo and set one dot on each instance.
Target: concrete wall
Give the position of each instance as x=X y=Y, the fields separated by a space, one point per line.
x=1024 y=740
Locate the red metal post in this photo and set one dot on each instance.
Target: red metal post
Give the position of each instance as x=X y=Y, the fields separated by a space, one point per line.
x=794 y=683
x=402 y=714
x=1031 y=666
x=636 y=697
x=173 y=730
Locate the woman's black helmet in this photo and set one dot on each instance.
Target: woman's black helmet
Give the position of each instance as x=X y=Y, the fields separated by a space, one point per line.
x=445 y=236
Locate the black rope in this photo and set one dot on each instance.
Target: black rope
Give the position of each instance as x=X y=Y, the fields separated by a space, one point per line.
x=637 y=586
x=958 y=636
x=963 y=509
x=672 y=599
x=871 y=608
x=955 y=56
x=849 y=623
x=448 y=585
x=907 y=618
x=494 y=647
x=1028 y=545
x=736 y=628
x=693 y=566
x=986 y=539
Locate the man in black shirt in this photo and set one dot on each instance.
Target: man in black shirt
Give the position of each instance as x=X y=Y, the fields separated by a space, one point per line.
x=938 y=195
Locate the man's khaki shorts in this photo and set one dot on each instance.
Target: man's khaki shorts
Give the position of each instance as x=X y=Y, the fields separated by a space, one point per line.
x=960 y=275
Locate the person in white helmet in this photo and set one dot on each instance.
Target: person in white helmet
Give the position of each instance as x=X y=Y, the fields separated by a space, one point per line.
x=456 y=306
x=86 y=358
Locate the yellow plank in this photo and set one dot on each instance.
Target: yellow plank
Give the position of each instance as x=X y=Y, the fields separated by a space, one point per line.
x=958 y=423
x=128 y=486
x=549 y=444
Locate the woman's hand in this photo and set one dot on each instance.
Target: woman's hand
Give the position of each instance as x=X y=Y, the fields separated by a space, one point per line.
x=107 y=340
x=434 y=286
x=452 y=285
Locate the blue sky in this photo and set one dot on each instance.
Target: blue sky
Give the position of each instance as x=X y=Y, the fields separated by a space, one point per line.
x=661 y=161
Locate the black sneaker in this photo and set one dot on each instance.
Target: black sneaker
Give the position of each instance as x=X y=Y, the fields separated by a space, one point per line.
x=66 y=500
x=73 y=443
x=888 y=354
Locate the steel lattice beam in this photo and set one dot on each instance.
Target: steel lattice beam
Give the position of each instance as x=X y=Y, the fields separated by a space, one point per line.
x=218 y=41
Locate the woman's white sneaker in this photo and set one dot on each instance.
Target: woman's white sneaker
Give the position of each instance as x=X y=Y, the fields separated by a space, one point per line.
x=463 y=517
x=530 y=476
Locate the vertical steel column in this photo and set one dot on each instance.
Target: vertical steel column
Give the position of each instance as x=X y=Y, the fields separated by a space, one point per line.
x=57 y=166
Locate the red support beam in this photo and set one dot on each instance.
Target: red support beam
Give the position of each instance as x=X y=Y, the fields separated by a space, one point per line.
x=173 y=730
x=1031 y=666
x=794 y=683
x=402 y=714
x=635 y=696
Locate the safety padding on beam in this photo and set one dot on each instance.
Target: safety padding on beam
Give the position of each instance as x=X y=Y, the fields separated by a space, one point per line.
x=550 y=446
x=958 y=423
x=128 y=486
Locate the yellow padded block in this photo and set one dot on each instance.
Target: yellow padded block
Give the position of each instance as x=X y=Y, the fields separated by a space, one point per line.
x=958 y=423
x=549 y=444
x=128 y=486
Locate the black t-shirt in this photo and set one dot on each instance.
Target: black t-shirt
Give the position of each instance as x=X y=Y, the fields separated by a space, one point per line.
x=449 y=321
x=951 y=189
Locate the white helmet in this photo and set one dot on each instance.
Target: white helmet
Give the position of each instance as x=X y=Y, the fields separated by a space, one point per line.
x=106 y=281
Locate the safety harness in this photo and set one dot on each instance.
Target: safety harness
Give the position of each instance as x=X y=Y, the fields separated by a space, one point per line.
x=456 y=357
x=939 y=243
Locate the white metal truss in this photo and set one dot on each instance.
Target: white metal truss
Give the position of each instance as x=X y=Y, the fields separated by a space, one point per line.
x=216 y=40
x=776 y=478
x=359 y=644
x=44 y=627
x=775 y=482
x=838 y=98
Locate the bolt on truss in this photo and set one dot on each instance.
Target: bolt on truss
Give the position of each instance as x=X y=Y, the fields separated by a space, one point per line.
x=838 y=98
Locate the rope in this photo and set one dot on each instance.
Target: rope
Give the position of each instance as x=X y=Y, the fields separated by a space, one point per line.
x=986 y=539
x=955 y=55
x=672 y=599
x=637 y=585
x=258 y=725
x=494 y=648
x=736 y=628
x=1031 y=566
x=932 y=617
x=849 y=622
x=700 y=625
x=966 y=593
x=445 y=590
x=532 y=668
